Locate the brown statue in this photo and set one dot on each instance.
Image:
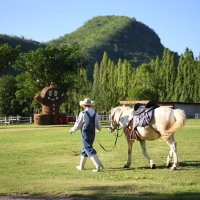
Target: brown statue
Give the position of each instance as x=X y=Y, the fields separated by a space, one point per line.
x=50 y=100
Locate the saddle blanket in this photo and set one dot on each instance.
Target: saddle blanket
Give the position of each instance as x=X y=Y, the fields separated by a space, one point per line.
x=144 y=119
x=143 y=114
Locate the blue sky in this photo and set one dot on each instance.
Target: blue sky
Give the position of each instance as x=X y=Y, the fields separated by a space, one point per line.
x=177 y=22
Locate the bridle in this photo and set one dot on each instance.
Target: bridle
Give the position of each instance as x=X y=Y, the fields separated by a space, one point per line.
x=128 y=129
x=113 y=124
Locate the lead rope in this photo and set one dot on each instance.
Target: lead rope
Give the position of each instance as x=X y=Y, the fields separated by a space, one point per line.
x=117 y=135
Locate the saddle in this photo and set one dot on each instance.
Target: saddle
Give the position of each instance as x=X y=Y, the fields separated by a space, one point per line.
x=143 y=113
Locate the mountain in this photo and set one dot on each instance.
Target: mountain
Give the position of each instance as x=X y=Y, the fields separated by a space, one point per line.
x=26 y=45
x=120 y=36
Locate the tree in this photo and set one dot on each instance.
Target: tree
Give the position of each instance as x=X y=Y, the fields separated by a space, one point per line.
x=8 y=103
x=197 y=81
x=8 y=55
x=186 y=78
x=126 y=78
x=157 y=77
x=105 y=86
x=112 y=98
x=42 y=67
x=81 y=89
x=96 y=85
x=119 y=79
x=104 y=83
x=167 y=76
x=144 y=87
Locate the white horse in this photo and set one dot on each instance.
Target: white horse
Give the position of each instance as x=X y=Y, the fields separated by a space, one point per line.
x=163 y=125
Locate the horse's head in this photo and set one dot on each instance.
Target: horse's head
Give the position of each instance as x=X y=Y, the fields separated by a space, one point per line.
x=120 y=116
x=114 y=119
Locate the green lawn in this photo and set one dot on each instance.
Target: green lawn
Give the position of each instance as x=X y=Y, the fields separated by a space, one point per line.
x=40 y=161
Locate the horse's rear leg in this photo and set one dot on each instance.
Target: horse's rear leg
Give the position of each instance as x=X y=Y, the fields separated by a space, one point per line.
x=173 y=152
x=144 y=151
x=169 y=158
x=130 y=144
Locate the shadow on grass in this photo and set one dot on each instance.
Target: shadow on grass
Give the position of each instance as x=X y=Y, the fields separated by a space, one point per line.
x=190 y=163
x=119 y=169
x=26 y=197
x=135 y=168
x=126 y=192
x=130 y=192
x=184 y=165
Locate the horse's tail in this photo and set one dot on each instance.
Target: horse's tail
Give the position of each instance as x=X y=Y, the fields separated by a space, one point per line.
x=180 y=118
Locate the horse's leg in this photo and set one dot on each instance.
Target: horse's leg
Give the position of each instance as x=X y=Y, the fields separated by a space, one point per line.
x=173 y=152
x=162 y=129
x=144 y=151
x=169 y=158
x=130 y=144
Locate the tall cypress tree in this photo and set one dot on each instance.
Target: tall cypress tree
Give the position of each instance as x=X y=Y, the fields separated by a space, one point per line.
x=168 y=76
x=131 y=85
x=186 y=78
x=126 y=74
x=119 y=80
x=112 y=86
x=103 y=84
x=95 y=86
x=81 y=89
x=144 y=83
x=157 y=77
x=197 y=82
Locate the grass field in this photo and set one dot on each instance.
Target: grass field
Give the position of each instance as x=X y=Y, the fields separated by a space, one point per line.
x=40 y=161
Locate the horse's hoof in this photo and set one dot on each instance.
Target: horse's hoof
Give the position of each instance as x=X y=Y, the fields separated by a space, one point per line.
x=168 y=165
x=153 y=166
x=172 y=168
x=126 y=166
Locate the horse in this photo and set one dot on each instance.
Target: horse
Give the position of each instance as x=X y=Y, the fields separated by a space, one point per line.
x=164 y=123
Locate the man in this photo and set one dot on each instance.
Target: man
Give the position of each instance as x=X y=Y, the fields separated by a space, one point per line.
x=88 y=120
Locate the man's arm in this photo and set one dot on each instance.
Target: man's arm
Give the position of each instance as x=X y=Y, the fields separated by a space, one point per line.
x=78 y=124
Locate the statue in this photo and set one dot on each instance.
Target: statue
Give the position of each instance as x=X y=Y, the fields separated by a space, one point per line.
x=50 y=99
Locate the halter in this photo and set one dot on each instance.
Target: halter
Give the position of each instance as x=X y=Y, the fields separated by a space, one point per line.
x=115 y=125
x=132 y=134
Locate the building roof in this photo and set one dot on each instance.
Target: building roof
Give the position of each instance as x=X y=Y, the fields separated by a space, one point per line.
x=166 y=103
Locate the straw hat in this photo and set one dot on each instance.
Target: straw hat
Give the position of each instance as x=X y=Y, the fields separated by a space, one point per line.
x=86 y=102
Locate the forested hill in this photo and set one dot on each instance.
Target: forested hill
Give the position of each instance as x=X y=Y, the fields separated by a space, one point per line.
x=25 y=44
x=120 y=36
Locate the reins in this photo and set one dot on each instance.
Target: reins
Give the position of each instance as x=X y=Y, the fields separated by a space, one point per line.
x=117 y=136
